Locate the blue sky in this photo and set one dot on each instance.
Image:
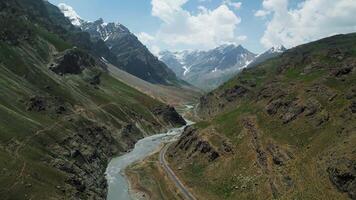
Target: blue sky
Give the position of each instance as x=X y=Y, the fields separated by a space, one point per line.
x=138 y=18
x=204 y=24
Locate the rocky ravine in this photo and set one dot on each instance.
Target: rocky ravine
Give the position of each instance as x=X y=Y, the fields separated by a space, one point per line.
x=85 y=154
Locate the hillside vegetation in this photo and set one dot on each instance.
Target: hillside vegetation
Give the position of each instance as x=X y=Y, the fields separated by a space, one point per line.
x=285 y=129
x=62 y=115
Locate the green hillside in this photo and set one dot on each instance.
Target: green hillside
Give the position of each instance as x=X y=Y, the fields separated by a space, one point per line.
x=285 y=129
x=62 y=115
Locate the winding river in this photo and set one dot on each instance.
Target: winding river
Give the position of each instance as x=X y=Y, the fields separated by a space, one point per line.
x=118 y=184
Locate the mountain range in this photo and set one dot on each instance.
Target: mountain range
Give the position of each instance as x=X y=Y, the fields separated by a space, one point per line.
x=209 y=69
x=203 y=69
x=76 y=94
x=282 y=129
x=122 y=48
x=270 y=53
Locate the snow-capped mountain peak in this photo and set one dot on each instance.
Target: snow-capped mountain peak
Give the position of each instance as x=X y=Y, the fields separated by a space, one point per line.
x=270 y=53
x=70 y=13
x=208 y=68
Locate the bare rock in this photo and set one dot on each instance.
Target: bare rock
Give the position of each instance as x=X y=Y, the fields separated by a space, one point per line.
x=353 y=107
x=72 y=61
x=279 y=156
x=169 y=115
x=37 y=104
x=292 y=113
x=342 y=71
x=234 y=93
x=193 y=145
x=343 y=175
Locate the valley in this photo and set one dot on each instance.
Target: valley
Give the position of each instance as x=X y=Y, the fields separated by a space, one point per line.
x=94 y=109
x=64 y=115
x=284 y=129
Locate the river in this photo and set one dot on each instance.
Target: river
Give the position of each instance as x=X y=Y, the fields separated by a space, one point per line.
x=118 y=184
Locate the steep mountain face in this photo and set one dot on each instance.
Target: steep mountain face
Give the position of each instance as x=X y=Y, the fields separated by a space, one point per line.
x=63 y=115
x=285 y=129
x=270 y=53
x=126 y=51
x=208 y=69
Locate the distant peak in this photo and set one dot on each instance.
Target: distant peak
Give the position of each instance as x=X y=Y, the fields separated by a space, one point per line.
x=70 y=13
x=99 y=21
x=277 y=49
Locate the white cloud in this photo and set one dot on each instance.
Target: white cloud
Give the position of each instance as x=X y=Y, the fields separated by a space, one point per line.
x=149 y=41
x=145 y=38
x=206 y=29
x=262 y=13
x=242 y=37
x=232 y=3
x=155 y=50
x=310 y=20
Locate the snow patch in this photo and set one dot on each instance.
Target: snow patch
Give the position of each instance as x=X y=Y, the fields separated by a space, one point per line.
x=277 y=49
x=215 y=70
x=246 y=64
x=70 y=13
x=186 y=70
x=102 y=58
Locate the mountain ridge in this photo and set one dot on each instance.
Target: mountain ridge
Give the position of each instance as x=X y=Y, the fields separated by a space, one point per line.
x=124 y=50
x=208 y=69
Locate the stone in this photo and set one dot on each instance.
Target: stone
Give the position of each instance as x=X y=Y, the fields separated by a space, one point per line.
x=342 y=71
x=343 y=175
x=37 y=104
x=353 y=107
x=292 y=113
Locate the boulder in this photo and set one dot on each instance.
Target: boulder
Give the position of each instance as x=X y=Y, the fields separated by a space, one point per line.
x=312 y=107
x=353 y=107
x=37 y=103
x=292 y=113
x=343 y=175
x=341 y=71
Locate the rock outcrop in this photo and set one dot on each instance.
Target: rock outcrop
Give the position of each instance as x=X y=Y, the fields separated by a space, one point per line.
x=343 y=176
x=83 y=156
x=169 y=115
x=192 y=145
x=72 y=61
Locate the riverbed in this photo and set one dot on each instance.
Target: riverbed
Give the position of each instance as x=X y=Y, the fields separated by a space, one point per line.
x=117 y=183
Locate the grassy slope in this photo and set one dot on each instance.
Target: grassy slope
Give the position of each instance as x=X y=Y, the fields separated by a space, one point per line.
x=315 y=142
x=148 y=177
x=27 y=138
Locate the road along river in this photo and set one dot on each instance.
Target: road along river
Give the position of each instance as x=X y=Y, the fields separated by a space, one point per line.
x=118 y=184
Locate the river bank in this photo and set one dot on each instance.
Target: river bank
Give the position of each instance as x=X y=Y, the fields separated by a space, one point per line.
x=118 y=184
